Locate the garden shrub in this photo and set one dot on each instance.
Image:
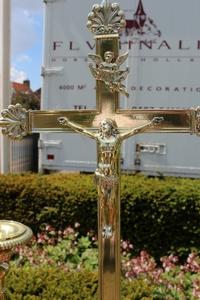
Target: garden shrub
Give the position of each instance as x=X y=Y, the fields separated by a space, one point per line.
x=160 y=215
x=142 y=279
x=45 y=283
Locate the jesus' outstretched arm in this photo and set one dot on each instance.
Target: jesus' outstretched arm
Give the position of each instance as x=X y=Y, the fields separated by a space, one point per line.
x=76 y=127
x=154 y=122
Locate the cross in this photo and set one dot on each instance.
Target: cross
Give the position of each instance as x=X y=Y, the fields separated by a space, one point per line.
x=109 y=126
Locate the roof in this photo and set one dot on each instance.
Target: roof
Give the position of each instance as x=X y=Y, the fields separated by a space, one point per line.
x=21 y=87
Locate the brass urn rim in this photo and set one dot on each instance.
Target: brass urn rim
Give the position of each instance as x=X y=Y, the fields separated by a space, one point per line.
x=13 y=234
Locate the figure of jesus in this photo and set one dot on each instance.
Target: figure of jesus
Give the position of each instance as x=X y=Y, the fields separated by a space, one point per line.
x=109 y=140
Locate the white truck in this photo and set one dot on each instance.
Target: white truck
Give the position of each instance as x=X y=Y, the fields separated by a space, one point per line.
x=163 y=40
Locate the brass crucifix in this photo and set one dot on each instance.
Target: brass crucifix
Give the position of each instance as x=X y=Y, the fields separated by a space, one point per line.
x=109 y=126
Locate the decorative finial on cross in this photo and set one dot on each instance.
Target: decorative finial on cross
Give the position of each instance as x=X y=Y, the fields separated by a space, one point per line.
x=15 y=120
x=196 y=121
x=106 y=18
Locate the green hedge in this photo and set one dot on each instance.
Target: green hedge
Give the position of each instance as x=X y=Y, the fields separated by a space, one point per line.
x=58 y=200
x=47 y=283
x=159 y=215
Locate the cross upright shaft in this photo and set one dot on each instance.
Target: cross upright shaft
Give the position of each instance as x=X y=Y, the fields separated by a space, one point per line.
x=107 y=174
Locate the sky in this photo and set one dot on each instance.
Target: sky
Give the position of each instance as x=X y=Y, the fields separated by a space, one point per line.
x=26 y=41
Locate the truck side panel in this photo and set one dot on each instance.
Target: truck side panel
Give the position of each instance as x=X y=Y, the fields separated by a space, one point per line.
x=163 y=41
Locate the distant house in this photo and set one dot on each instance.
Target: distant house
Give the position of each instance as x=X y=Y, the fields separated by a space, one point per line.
x=24 y=88
x=24 y=153
x=38 y=93
x=22 y=93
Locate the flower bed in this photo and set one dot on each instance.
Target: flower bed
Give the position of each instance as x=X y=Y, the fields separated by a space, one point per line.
x=58 y=261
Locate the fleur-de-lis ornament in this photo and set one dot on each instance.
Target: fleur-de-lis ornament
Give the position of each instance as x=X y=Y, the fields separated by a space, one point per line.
x=15 y=119
x=106 y=18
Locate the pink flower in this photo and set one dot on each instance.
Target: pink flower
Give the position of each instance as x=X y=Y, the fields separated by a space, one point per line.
x=124 y=245
x=49 y=228
x=169 y=262
x=76 y=225
x=196 y=288
x=143 y=264
x=192 y=263
x=69 y=230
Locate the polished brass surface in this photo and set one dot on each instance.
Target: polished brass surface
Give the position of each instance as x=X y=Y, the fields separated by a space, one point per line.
x=174 y=120
x=11 y=234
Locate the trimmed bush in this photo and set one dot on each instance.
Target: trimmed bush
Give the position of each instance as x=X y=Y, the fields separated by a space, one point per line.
x=47 y=283
x=58 y=200
x=159 y=215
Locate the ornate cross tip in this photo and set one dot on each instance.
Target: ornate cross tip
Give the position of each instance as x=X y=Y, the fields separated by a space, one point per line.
x=106 y=18
x=196 y=121
x=14 y=121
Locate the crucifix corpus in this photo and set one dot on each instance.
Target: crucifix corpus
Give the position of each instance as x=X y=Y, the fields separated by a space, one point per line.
x=109 y=126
